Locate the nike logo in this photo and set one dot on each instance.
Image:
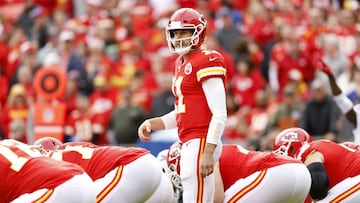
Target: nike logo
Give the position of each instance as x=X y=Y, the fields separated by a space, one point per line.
x=212 y=59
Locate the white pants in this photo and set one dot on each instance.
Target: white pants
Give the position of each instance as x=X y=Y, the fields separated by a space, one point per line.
x=132 y=183
x=78 y=189
x=196 y=189
x=164 y=193
x=347 y=191
x=287 y=183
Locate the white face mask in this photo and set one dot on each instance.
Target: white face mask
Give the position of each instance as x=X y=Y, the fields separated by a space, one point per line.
x=182 y=50
x=179 y=46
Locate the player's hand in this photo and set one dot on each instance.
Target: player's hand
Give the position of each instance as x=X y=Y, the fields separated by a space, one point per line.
x=144 y=131
x=206 y=164
x=325 y=68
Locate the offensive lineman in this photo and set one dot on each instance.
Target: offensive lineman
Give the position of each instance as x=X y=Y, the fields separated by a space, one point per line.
x=352 y=112
x=129 y=175
x=27 y=176
x=334 y=167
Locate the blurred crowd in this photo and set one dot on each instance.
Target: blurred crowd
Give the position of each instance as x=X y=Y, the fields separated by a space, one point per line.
x=119 y=68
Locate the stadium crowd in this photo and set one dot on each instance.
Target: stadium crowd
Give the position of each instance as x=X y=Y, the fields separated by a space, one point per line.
x=118 y=65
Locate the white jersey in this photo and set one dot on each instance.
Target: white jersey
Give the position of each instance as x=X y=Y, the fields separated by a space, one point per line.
x=356 y=130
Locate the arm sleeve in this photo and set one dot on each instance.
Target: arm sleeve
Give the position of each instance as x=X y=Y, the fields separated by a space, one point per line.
x=343 y=102
x=169 y=120
x=320 y=181
x=215 y=96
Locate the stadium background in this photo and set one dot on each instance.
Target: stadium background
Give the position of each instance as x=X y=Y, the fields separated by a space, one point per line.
x=117 y=67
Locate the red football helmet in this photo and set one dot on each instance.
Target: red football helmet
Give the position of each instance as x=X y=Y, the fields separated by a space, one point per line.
x=186 y=19
x=289 y=141
x=173 y=165
x=48 y=143
x=173 y=157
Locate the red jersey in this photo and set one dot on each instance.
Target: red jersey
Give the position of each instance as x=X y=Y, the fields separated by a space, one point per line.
x=95 y=160
x=237 y=162
x=285 y=62
x=340 y=161
x=102 y=104
x=245 y=87
x=79 y=124
x=192 y=112
x=24 y=170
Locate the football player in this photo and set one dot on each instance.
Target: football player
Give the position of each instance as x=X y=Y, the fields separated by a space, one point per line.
x=120 y=174
x=200 y=107
x=334 y=167
x=28 y=176
x=351 y=111
x=253 y=176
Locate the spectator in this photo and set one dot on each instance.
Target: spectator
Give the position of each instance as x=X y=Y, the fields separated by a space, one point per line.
x=25 y=21
x=141 y=93
x=47 y=55
x=246 y=82
x=163 y=100
x=72 y=89
x=288 y=113
x=287 y=55
x=302 y=88
x=247 y=47
x=40 y=26
x=313 y=32
x=102 y=100
x=27 y=59
x=17 y=129
x=259 y=116
x=258 y=24
x=69 y=59
x=347 y=30
x=4 y=84
x=333 y=54
x=16 y=110
x=125 y=119
x=25 y=75
x=79 y=124
x=96 y=62
x=228 y=33
x=320 y=115
x=236 y=127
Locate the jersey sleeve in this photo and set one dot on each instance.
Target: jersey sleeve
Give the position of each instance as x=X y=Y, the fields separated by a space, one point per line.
x=305 y=151
x=211 y=65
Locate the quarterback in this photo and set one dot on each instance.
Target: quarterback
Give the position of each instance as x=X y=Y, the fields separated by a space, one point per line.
x=200 y=106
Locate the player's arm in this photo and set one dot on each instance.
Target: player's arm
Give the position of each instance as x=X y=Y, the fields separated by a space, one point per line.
x=166 y=121
x=342 y=101
x=319 y=177
x=215 y=96
x=219 y=185
x=214 y=91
